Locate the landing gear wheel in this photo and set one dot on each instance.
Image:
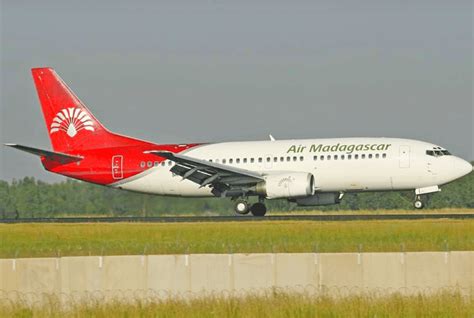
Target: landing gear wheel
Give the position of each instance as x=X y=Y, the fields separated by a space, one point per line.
x=258 y=209
x=418 y=204
x=241 y=207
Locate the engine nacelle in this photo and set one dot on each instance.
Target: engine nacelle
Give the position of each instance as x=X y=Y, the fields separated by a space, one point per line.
x=319 y=199
x=287 y=185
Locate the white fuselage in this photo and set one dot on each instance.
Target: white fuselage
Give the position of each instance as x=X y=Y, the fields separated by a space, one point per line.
x=338 y=165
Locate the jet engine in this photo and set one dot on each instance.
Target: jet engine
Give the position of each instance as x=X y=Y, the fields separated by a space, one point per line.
x=286 y=185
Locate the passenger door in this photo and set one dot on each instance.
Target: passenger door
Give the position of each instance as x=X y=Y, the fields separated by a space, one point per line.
x=404 y=156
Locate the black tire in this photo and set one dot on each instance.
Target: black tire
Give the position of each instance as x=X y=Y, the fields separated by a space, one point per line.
x=258 y=209
x=418 y=204
x=241 y=207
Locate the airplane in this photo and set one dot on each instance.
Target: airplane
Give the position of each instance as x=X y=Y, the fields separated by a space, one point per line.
x=308 y=172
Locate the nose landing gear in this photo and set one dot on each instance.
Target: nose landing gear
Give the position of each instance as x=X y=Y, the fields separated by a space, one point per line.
x=418 y=204
x=421 y=195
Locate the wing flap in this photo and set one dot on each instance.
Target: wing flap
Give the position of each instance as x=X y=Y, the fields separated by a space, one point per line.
x=205 y=173
x=203 y=164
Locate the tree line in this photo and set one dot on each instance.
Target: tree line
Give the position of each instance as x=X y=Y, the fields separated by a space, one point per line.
x=29 y=197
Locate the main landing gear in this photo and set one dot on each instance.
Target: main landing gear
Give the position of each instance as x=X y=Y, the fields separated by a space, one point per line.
x=241 y=207
x=257 y=209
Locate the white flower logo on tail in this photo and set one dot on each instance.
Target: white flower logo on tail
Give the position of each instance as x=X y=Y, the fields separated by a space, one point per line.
x=71 y=121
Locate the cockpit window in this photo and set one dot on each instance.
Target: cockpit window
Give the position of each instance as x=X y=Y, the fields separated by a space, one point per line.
x=438 y=152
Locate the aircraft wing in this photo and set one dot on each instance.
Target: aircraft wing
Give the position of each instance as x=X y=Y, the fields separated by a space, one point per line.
x=220 y=177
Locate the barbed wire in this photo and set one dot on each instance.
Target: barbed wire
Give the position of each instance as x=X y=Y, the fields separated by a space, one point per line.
x=15 y=298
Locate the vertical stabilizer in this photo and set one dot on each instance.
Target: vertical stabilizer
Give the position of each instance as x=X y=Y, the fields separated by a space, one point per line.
x=71 y=126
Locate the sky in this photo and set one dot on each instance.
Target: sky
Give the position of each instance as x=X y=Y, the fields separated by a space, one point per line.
x=207 y=71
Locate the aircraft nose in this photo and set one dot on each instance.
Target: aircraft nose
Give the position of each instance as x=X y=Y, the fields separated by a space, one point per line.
x=462 y=167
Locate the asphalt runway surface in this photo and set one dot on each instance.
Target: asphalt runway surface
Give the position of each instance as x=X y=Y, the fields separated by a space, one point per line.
x=178 y=219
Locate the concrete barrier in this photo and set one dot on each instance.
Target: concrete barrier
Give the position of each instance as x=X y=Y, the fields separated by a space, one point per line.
x=171 y=275
x=427 y=271
x=461 y=270
x=383 y=271
x=168 y=273
x=211 y=273
x=296 y=271
x=81 y=274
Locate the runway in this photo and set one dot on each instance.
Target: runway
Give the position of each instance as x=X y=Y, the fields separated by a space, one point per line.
x=180 y=219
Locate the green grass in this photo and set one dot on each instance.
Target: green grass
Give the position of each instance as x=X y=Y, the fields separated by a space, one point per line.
x=298 y=211
x=375 y=211
x=270 y=305
x=35 y=240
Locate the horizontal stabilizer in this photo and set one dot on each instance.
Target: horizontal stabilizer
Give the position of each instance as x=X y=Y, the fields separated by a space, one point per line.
x=50 y=155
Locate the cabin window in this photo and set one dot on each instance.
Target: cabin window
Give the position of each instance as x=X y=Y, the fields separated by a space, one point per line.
x=322 y=157
x=282 y=159
x=301 y=158
x=349 y=157
x=335 y=157
x=163 y=163
x=295 y=158
x=384 y=155
x=149 y=164
x=356 y=156
x=251 y=160
x=370 y=156
x=342 y=157
x=157 y=163
x=329 y=157
x=377 y=156
x=142 y=164
x=231 y=161
x=315 y=158
x=362 y=156
x=245 y=160
x=275 y=159
x=237 y=160
x=224 y=161
x=268 y=159
x=288 y=158
x=260 y=160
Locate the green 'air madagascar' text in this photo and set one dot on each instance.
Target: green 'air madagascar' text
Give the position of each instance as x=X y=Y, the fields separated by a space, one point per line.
x=338 y=147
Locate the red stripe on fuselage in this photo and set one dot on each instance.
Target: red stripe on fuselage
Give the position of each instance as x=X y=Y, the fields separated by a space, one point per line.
x=97 y=165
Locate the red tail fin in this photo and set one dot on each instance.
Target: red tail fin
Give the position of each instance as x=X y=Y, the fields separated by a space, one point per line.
x=71 y=126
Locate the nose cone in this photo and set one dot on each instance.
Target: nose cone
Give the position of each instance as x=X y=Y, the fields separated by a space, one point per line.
x=462 y=167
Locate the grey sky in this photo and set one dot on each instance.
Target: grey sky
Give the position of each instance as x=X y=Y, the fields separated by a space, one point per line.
x=233 y=70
